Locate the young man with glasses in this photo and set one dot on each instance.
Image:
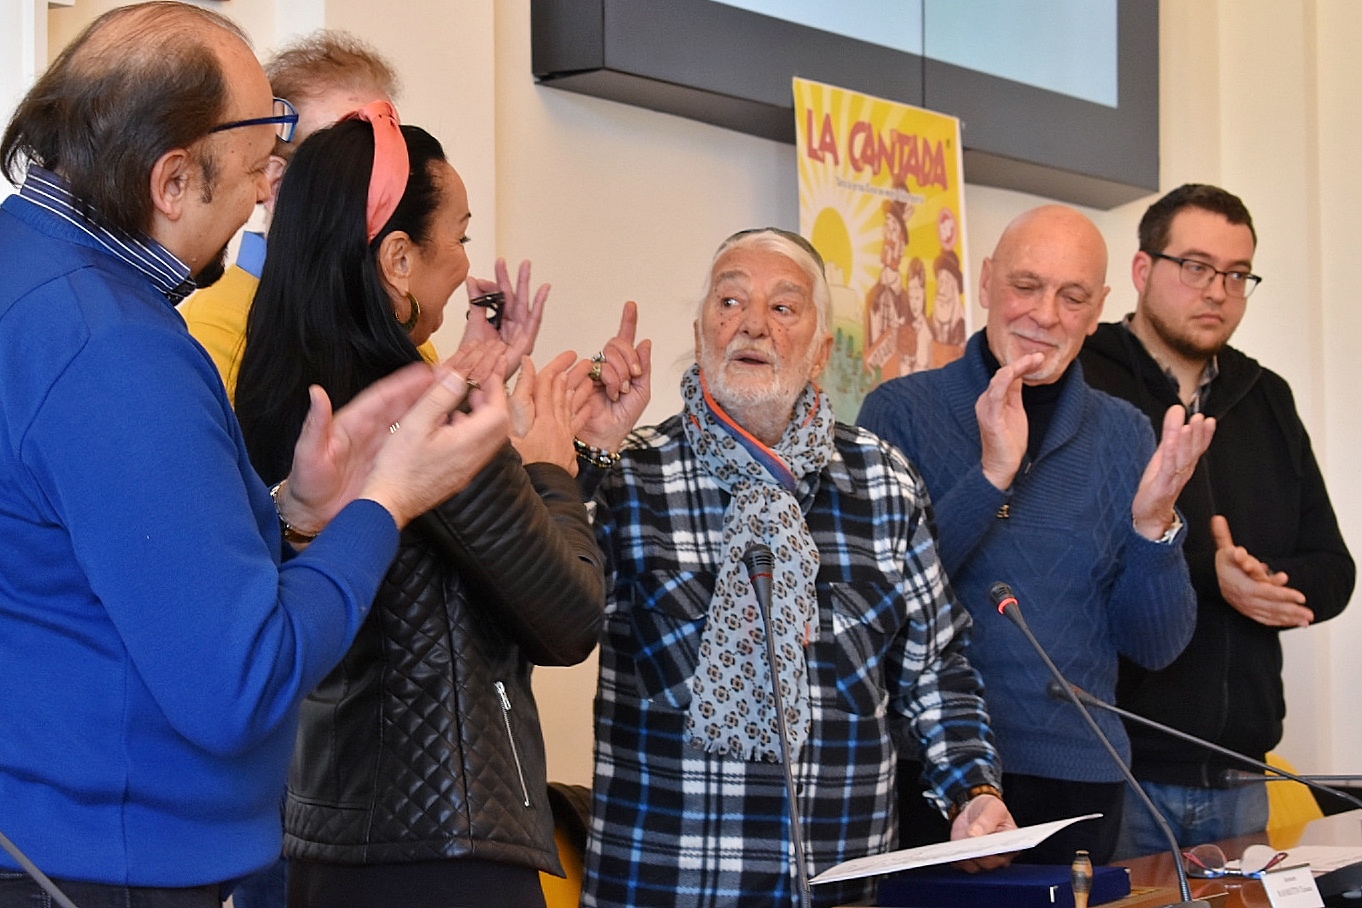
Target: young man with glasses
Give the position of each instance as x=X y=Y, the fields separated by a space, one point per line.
x=1263 y=546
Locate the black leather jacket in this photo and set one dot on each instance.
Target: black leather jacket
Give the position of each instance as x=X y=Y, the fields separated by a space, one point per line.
x=424 y=743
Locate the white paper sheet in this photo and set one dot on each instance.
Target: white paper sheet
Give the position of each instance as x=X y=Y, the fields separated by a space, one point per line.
x=947 y=852
x=1324 y=858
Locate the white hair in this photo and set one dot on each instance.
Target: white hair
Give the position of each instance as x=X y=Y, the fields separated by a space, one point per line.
x=793 y=247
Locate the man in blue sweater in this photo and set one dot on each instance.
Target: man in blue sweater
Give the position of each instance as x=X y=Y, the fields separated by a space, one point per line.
x=1059 y=490
x=156 y=633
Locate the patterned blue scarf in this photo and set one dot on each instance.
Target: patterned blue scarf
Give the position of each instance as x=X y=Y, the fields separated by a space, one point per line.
x=732 y=711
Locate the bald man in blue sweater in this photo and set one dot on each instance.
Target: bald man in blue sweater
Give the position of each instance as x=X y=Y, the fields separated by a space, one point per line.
x=1059 y=490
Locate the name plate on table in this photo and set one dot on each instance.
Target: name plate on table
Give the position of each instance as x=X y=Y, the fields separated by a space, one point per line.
x=1292 y=887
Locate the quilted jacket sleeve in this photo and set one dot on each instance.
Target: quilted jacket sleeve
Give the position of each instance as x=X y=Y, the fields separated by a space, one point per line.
x=520 y=536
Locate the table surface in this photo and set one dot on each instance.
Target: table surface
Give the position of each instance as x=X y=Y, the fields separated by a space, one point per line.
x=1158 y=870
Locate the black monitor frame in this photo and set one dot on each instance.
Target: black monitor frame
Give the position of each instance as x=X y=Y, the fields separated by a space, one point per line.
x=732 y=68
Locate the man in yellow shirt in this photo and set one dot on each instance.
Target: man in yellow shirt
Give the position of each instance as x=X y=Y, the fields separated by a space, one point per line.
x=325 y=76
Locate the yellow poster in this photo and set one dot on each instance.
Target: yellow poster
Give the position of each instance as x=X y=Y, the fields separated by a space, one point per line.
x=881 y=198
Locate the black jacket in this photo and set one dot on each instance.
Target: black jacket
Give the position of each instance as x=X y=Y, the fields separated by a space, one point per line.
x=424 y=743
x=1261 y=474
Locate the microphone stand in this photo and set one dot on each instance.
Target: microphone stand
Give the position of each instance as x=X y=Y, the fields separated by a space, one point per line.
x=1241 y=777
x=38 y=876
x=1232 y=776
x=1007 y=604
x=760 y=562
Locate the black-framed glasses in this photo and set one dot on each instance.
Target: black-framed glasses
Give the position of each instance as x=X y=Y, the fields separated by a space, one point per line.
x=284 y=119
x=1208 y=861
x=1200 y=275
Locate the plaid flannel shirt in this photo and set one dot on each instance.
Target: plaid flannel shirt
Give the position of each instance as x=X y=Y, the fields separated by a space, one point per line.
x=672 y=825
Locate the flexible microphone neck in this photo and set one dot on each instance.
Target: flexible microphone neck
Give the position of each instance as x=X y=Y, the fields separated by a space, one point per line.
x=1243 y=777
x=42 y=879
x=1228 y=776
x=760 y=563
x=1006 y=602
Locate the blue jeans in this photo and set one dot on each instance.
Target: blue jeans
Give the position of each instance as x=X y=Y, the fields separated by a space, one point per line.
x=1196 y=815
x=266 y=888
x=18 y=891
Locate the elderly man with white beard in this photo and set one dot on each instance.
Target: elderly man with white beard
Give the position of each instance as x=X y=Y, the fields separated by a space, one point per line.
x=690 y=798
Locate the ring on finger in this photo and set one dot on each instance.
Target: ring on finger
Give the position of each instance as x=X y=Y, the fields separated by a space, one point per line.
x=392 y=429
x=596 y=362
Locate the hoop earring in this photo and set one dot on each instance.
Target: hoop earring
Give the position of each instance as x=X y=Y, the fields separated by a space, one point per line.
x=415 y=316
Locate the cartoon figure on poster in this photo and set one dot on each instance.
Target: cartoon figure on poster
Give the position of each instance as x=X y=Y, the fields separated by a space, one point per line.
x=880 y=197
x=948 y=316
x=886 y=305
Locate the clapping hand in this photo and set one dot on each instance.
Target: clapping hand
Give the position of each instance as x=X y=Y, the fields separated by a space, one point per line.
x=610 y=391
x=520 y=320
x=1181 y=445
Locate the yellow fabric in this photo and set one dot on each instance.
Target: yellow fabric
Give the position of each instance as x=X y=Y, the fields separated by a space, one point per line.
x=1290 y=805
x=558 y=892
x=216 y=317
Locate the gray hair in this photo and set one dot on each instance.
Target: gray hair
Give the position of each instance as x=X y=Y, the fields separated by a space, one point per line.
x=791 y=245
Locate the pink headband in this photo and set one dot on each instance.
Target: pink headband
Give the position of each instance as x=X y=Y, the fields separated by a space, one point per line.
x=388 y=180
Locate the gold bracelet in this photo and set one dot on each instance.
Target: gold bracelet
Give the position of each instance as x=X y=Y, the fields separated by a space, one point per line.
x=970 y=794
x=291 y=534
x=597 y=457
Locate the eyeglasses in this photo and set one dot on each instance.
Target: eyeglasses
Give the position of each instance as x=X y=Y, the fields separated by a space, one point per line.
x=1200 y=275
x=1208 y=861
x=285 y=120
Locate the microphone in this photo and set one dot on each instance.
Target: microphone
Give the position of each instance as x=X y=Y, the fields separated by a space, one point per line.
x=760 y=563
x=1062 y=690
x=1006 y=602
x=1230 y=777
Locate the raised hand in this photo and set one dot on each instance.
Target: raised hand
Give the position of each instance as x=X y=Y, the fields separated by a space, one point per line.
x=609 y=395
x=475 y=361
x=1002 y=421
x=520 y=319
x=1181 y=444
x=541 y=414
x=1251 y=588
x=436 y=449
x=335 y=451
x=400 y=442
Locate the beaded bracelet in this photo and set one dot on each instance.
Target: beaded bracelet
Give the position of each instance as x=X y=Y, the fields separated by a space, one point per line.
x=970 y=794
x=597 y=457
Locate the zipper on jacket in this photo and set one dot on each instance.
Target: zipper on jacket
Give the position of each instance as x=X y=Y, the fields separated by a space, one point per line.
x=515 y=752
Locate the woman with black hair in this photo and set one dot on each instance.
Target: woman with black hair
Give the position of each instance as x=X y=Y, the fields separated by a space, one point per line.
x=419 y=776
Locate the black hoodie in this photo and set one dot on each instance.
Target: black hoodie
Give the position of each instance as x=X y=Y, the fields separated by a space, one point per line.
x=1261 y=474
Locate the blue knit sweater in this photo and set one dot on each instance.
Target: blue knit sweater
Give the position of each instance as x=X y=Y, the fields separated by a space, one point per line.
x=1090 y=586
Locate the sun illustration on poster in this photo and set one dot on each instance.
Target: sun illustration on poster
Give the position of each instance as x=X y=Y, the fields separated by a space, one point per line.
x=845 y=247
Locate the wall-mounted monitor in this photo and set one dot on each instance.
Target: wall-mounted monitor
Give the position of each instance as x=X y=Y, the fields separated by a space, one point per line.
x=1056 y=97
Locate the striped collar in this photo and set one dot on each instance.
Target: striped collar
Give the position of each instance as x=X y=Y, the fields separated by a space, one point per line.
x=167 y=273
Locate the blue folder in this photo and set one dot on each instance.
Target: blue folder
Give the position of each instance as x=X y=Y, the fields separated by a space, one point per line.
x=1017 y=886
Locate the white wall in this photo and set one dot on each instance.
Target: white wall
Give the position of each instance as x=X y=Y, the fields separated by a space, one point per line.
x=23 y=53
x=615 y=202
